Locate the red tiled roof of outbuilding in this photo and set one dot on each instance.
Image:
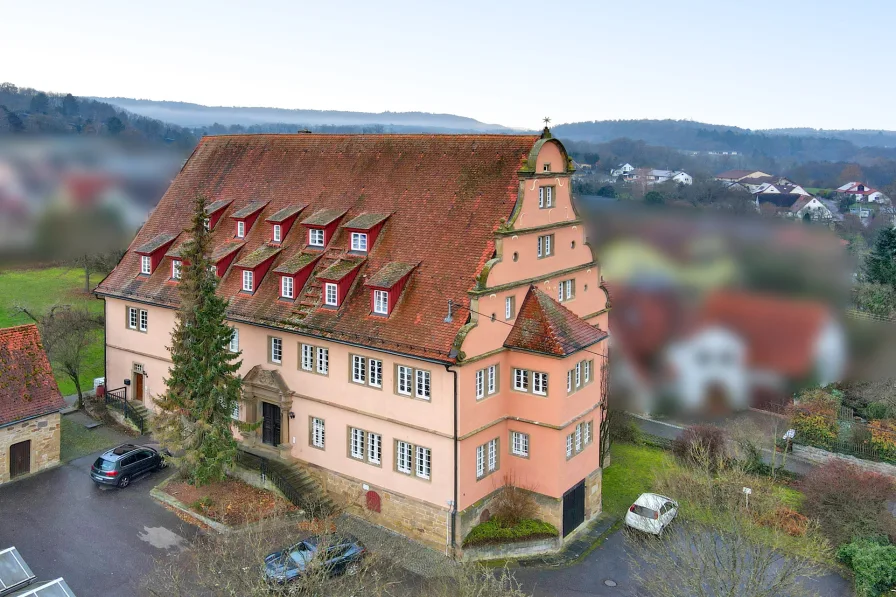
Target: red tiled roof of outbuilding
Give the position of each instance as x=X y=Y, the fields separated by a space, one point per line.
x=545 y=326
x=446 y=194
x=27 y=386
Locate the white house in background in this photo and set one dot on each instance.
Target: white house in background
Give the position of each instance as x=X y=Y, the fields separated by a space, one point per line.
x=813 y=206
x=683 y=178
x=740 y=175
x=862 y=192
x=660 y=176
x=621 y=170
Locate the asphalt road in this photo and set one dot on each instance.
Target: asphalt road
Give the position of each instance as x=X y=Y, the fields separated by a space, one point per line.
x=103 y=541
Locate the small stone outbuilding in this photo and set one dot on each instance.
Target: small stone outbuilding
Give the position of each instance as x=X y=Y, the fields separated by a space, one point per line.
x=29 y=405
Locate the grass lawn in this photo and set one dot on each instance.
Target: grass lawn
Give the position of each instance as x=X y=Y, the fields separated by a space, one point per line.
x=630 y=474
x=79 y=441
x=40 y=289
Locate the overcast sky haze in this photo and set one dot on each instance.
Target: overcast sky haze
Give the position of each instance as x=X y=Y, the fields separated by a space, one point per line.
x=750 y=63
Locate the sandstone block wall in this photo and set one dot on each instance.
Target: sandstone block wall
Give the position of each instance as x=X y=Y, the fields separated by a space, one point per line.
x=45 y=435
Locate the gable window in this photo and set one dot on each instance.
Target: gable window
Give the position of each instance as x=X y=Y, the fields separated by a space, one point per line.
x=145 y=264
x=509 y=307
x=566 y=290
x=521 y=380
x=359 y=369
x=403 y=457
x=323 y=361
x=144 y=320
x=381 y=302
x=545 y=246
x=132 y=318
x=234 y=345
x=276 y=350
x=286 y=287
x=248 y=280
x=307 y=357
x=539 y=383
x=316 y=237
x=318 y=433
x=240 y=229
x=175 y=269
x=423 y=384
x=519 y=444
x=546 y=167
x=403 y=380
x=331 y=296
x=545 y=197
x=359 y=241
x=278 y=233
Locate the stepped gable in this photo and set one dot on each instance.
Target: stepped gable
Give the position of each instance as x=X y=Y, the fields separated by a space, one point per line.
x=445 y=195
x=545 y=326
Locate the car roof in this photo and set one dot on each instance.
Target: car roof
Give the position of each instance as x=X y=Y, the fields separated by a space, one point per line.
x=122 y=450
x=652 y=500
x=332 y=539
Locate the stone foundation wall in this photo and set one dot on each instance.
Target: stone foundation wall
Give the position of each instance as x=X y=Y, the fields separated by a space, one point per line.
x=413 y=518
x=45 y=435
x=594 y=504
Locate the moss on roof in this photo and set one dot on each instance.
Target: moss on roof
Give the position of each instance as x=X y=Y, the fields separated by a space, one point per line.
x=248 y=210
x=339 y=270
x=390 y=273
x=296 y=263
x=155 y=244
x=222 y=251
x=365 y=221
x=258 y=256
x=286 y=213
x=217 y=205
x=324 y=217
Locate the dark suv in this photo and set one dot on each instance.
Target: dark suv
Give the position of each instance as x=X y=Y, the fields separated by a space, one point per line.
x=120 y=465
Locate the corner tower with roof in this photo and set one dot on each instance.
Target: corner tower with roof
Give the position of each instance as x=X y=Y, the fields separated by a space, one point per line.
x=339 y=256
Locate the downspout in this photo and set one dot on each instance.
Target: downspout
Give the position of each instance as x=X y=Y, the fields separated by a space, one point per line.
x=453 y=510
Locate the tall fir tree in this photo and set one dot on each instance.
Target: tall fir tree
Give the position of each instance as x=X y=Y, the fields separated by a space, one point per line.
x=203 y=387
x=880 y=265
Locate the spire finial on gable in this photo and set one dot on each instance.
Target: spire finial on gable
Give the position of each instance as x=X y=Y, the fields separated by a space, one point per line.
x=546 y=133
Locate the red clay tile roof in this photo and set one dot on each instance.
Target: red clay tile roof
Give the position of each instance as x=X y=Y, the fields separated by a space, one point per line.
x=339 y=270
x=248 y=210
x=217 y=205
x=365 y=221
x=323 y=217
x=545 y=326
x=258 y=256
x=225 y=249
x=155 y=243
x=286 y=213
x=296 y=263
x=447 y=195
x=27 y=387
x=389 y=274
x=780 y=333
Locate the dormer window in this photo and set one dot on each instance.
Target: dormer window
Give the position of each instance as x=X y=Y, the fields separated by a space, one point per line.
x=381 y=302
x=359 y=241
x=278 y=232
x=175 y=269
x=213 y=269
x=331 y=294
x=248 y=280
x=316 y=237
x=240 y=229
x=207 y=223
x=287 y=288
x=145 y=264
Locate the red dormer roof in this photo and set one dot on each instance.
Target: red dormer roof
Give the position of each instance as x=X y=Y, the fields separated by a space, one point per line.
x=28 y=388
x=545 y=326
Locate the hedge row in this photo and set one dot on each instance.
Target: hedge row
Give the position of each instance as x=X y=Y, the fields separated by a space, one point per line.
x=493 y=531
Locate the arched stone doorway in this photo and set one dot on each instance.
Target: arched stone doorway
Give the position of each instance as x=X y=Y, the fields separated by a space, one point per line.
x=267 y=399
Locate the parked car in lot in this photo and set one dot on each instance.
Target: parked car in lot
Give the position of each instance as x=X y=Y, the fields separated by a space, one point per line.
x=120 y=465
x=651 y=513
x=338 y=554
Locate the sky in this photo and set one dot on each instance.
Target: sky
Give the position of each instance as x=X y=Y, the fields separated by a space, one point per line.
x=750 y=63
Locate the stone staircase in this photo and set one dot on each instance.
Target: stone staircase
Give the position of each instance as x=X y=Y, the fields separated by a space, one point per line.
x=292 y=480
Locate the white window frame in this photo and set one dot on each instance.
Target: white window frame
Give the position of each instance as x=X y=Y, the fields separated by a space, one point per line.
x=276 y=349
x=587 y=371
x=207 y=222
x=545 y=197
x=359 y=241
x=375 y=373
x=287 y=287
x=569 y=446
x=508 y=307
x=213 y=269
x=519 y=444
x=316 y=237
x=492 y=379
x=144 y=320
x=578 y=375
x=423 y=384
x=521 y=380
x=405 y=382
x=331 y=301
x=318 y=433
x=240 y=229
x=307 y=357
x=492 y=455
x=145 y=264
x=480 y=384
x=569 y=381
x=586 y=439
x=381 y=302
x=423 y=462
x=374 y=448
x=323 y=361
x=234 y=345
x=248 y=280
x=133 y=318
x=480 y=461
x=404 y=456
x=578 y=438
x=565 y=291
x=359 y=369
x=539 y=383
x=277 y=233
x=357 y=443
x=544 y=246
x=175 y=269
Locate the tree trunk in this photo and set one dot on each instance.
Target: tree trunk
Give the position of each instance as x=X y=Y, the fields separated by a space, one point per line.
x=77 y=381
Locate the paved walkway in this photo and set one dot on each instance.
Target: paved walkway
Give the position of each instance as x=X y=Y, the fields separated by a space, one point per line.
x=574 y=550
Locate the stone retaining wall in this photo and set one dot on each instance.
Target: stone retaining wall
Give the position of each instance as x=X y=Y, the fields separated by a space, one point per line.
x=518 y=549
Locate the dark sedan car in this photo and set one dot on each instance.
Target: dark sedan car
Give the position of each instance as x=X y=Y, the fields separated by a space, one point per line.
x=120 y=465
x=342 y=554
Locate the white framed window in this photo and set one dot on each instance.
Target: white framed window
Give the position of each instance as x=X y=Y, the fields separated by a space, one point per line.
x=248 y=280
x=587 y=433
x=569 y=446
x=508 y=307
x=578 y=375
x=307 y=357
x=286 y=287
x=359 y=241
x=213 y=269
x=519 y=443
x=278 y=233
x=374 y=448
x=587 y=371
x=175 y=269
x=424 y=462
x=240 y=229
x=359 y=369
x=566 y=290
x=493 y=455
x=381 y=302
x=316 y=237
x=546 y=167
x=207 y=223
x=480 y=461
x=276 y=350
x=234 y=345
x=521 y=380
x=331 y=296
x=144 y=320
x=132 y=318
x=579 y=437
x=375 y=372
x=480 y=383
x=545 y=197
x=492 y=379
x=423 y=384
x=323 y=361
x=403 y=457
x=539 y=383
x=569 y=381
x=357 y=444
x=403 y=385
x=545 y=245
x=145 y=264
x=318 y=433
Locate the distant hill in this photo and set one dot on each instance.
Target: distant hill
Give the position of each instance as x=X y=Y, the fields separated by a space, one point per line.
x=199 y=116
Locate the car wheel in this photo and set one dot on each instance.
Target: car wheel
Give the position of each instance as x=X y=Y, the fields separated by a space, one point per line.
x=124 y=481
x=353 y=568
x=162 y=465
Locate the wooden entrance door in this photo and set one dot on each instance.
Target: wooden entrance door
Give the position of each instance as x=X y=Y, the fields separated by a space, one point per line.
x=270 y=429
x=573 y=508
x=20 y=459
x=138 y=387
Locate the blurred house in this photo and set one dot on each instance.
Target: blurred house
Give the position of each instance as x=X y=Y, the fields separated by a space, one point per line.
x=95 y=191
x=621 y=170
x=739 y=175
x=793 y=205
x=862 y=192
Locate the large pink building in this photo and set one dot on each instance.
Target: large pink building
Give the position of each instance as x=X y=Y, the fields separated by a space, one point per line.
x=419 y=316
